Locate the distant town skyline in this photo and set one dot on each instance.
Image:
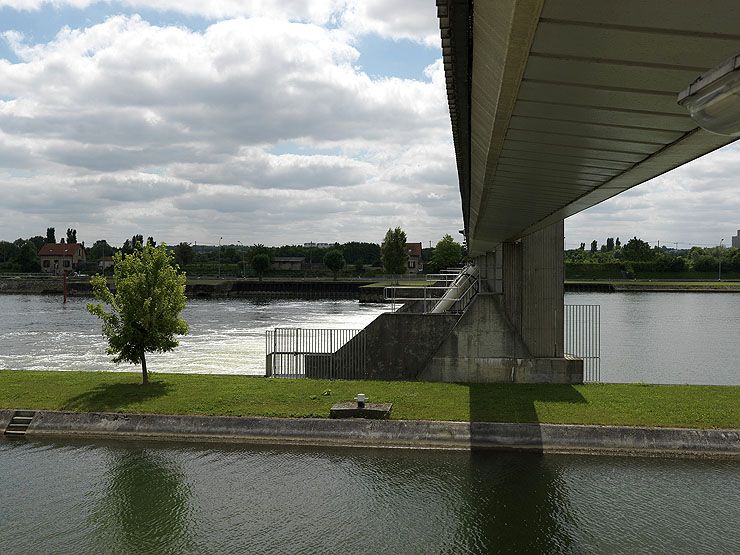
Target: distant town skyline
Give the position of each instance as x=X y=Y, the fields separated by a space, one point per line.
x=270 y=122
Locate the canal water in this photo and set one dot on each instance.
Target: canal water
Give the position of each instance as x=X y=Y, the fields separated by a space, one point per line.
x=102 y=498
x=645 y=337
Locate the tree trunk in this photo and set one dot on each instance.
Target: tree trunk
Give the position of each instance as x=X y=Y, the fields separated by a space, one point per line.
x=145 y=375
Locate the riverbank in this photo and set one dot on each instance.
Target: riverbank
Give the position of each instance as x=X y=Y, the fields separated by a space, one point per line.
x=302 y=288
x=669 y=406
x=415 y=434
x=656 y=286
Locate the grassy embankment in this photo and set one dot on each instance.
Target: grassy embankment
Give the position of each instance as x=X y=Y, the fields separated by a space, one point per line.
x=616 y=404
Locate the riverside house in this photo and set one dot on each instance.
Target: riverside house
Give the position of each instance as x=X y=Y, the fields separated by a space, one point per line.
x=56 y=258
x=415 y=263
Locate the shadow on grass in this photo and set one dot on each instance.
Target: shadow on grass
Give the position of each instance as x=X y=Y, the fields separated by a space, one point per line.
x=112 y=397
x=516 y=403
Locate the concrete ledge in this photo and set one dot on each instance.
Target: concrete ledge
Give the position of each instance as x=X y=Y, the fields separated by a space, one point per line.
x=391 y=433
x=5 y=418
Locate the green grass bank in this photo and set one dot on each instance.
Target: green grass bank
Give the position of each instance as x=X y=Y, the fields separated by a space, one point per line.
x=686 y=406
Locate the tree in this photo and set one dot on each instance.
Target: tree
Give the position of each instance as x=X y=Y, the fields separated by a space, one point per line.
x=610 y=243
x=184 y=254
x=593 y=246
x=334 y=260
x=145 y=310
x=447 y=252
x=71 y=235
x=393 y=252
x=100 y=249
x=617 y=244
x=260 y=263
x=51 y=235
x=582 y=247
x=28 y=260
x=637 y=250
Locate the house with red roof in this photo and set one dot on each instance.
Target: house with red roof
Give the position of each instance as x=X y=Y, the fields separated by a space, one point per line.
x=415 y=264
x=57 y=258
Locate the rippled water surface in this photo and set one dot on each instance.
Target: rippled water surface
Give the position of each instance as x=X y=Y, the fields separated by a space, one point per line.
x=668 y=337
x=171 y=498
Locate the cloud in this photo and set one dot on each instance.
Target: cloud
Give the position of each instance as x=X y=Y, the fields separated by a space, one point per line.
x=696 y=204
x=414 y=20
x=126 y=126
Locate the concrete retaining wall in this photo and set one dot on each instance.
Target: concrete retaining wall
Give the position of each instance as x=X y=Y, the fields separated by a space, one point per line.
x=391 y=433
x=5 y=417
x=397 y=346
x=485 y=348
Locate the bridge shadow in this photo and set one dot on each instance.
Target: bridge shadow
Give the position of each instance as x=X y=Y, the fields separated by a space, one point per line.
x=516 y=403
x=523 y=505
x=111 y=397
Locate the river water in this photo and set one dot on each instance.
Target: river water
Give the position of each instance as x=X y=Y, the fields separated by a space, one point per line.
x=645 y=337
x=111 y=498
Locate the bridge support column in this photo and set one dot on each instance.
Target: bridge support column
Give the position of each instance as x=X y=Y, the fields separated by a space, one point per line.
x=513 y=330
x=533 y=292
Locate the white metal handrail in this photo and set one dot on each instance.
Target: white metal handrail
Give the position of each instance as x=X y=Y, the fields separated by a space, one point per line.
x=445 y=299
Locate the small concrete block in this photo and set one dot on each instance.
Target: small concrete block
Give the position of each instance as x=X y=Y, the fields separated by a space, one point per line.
x=349 y=409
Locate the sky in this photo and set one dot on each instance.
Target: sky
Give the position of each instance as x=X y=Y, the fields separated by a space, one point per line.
x=264 y=121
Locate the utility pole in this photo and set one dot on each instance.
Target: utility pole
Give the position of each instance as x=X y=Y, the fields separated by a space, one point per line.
x=219 y=257
x=243 y=266
x=720 y=259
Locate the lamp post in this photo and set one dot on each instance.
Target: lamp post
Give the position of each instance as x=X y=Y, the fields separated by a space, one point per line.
x=219 y=257
x=243 y=268
x=720 y=259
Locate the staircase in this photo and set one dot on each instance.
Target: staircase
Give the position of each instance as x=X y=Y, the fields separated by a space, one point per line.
x=19 y=423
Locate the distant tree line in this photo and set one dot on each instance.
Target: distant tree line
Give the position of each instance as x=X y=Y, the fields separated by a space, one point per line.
x=637 y=258
x=350 y=258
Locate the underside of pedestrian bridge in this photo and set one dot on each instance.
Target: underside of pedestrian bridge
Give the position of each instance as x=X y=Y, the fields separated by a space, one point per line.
x=558 y=105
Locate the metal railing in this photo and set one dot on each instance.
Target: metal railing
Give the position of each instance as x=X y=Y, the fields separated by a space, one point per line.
x=583 y=337
x=315 y=353
x=431 y=295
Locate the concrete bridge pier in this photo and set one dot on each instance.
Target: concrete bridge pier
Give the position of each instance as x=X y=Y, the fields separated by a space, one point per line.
x=514 y=330
x=529 y=274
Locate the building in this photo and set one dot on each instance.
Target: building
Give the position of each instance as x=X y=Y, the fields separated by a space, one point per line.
x=289 y=263
x=105 y=262
x=318 y=245
x=57 y=258
x=415 y=264
x=736 y=240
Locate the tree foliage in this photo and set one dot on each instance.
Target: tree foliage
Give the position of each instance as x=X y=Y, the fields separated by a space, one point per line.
x=51 y=235
x=184 y=254
x=447 y=252
x=334 y=260
x=638 y=250
x=261 y=263
x=100 y=249
x=71 y=235
x=393 y=252
x=145 y=309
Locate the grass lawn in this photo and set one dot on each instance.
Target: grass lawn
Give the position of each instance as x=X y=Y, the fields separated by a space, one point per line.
x=625 y=404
